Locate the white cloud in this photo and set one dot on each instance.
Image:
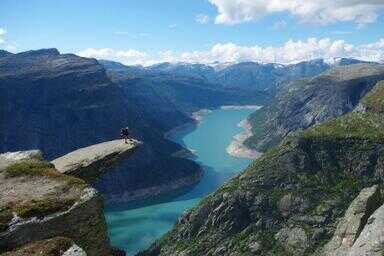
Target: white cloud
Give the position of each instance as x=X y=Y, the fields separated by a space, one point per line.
x=290 y=52
x=130 y=56
x=202 y=18
x=310 y=11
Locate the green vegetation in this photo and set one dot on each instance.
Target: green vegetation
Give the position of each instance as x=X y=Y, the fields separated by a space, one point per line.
x=257 y=120
x=50 y=247
x=34 y=167
x=34 y=208
x=5 y=217
x=353 y=125
x=31 y=168
x=270 y=245
x=374 y=100
x=43 y=205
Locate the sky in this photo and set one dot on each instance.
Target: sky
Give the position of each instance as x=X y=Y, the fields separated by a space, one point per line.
x=146 y=32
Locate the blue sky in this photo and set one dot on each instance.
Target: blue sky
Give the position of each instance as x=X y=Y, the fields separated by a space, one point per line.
x=154 y=30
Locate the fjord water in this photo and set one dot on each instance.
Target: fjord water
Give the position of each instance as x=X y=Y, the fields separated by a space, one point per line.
x=134 y=229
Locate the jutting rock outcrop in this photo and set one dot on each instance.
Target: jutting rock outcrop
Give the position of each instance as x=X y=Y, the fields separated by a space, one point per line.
x=37 y=202
x=90 y=162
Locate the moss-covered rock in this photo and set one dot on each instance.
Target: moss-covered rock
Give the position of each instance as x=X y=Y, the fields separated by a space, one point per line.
x=37 y=202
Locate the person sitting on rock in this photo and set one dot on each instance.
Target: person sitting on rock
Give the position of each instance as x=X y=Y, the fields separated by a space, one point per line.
x=125 y=134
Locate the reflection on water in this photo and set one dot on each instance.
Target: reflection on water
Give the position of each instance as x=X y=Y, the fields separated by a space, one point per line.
x=135 y=227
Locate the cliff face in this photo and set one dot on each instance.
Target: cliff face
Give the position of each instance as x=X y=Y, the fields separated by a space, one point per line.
x=37 y=203
x=56 y=102
x=290 y=201
x=136 y=179
x=301 y=104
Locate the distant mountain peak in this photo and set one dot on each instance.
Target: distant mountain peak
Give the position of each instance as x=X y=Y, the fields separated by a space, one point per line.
x=4 y=53
x=46 y=52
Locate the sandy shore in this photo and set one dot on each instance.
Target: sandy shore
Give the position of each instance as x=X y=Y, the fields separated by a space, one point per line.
x=255 y=107
x=237 y=148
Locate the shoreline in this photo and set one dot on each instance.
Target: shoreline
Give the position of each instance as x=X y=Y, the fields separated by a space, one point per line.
x=237 y=148
x=235 y=107
x=197 y=118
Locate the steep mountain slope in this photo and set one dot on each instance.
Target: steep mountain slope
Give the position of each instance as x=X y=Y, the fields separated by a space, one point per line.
x=303 y=103
x=290 y=201
x=56 y=102
x=60 y=102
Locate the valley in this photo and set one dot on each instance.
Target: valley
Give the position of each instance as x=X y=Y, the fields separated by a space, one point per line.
x=209 y=147
x=192 y=128
x=195 y=158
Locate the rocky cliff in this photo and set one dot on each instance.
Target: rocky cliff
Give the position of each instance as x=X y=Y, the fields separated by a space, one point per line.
x=60 y=246
x=49 y=99
x=303 y=103
x=316 y=193
x=43 y=210
x=37 y=203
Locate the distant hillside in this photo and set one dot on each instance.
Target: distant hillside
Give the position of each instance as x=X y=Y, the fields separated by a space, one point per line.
x=306 y=102
x=317 y=193
x=249 y=76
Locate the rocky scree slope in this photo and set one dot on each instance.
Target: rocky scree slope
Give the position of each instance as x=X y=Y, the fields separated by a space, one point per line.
x=37 y=202
x=292 y=200
x=303 y=103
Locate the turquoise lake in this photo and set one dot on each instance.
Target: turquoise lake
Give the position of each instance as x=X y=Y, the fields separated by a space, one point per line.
x=135 y=229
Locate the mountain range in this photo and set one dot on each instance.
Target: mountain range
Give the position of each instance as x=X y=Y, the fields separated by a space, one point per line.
x=316 y=190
